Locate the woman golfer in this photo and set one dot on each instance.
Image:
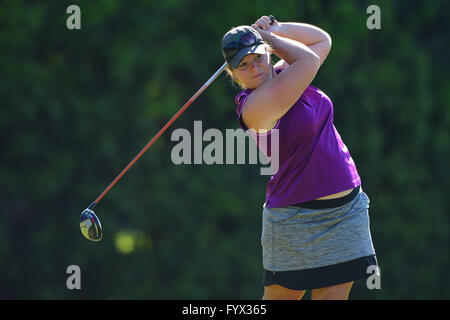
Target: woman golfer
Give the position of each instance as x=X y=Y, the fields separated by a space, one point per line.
x=315 y=226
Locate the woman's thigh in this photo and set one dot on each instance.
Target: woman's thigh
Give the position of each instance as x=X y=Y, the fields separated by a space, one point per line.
x=277 y=292
x=336 y=292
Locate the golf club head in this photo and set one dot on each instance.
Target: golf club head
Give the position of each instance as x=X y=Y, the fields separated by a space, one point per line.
x=90 y=225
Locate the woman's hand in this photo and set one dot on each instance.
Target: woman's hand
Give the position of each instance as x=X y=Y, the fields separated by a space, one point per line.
x=264 y=23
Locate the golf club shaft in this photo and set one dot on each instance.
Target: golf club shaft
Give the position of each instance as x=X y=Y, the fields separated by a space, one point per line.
x=167 y=125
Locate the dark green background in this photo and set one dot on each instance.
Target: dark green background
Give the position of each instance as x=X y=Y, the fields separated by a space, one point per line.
x=78 y=105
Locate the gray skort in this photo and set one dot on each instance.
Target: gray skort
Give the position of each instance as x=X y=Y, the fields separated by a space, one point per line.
x=295 y=238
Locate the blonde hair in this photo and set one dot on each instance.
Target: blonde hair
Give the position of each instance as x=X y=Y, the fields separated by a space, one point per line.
x=229 y=69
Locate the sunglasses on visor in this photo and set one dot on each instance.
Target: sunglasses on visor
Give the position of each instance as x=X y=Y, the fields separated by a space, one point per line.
x=247 y=40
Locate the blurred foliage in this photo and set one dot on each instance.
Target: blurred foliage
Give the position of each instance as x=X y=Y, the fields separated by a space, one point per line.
x=78 y=105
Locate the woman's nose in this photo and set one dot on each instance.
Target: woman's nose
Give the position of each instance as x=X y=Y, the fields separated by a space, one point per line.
x=253 y=65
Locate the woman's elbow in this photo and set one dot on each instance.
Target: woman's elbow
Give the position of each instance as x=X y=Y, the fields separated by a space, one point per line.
x=324 y=48
x=328 y=39
x=316 y=61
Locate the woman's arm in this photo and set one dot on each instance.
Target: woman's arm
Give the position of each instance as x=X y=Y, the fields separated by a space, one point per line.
x=271 y=100
x=318 y=40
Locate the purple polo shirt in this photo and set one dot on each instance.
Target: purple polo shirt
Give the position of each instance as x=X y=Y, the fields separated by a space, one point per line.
x=313 y=160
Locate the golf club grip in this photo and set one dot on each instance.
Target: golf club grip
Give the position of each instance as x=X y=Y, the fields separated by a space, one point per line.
x=272 y=19
x=167 y=125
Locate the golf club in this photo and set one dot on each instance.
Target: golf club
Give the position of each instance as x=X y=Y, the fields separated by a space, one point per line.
x=89 y=223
